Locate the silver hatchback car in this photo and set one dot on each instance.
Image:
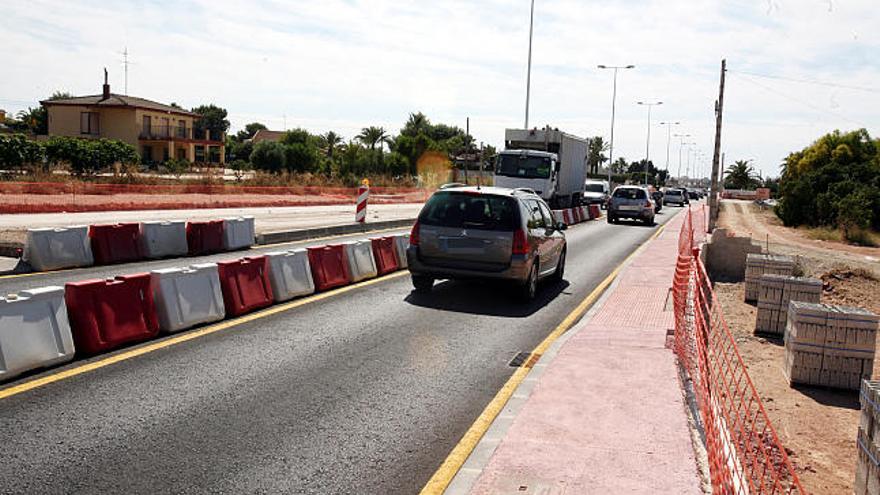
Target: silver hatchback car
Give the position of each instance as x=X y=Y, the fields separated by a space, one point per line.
x=486 y=233
x=631 y=202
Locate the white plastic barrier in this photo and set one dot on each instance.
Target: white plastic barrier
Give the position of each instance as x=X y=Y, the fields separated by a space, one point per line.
x=360 y=260
x=238 y=233
x=186 y=297
x=162 y=239
x=290 y=274
x=60 y=247
x=401 y=242
x=34 y=331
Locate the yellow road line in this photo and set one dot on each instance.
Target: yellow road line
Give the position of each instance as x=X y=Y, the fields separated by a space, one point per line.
x=256 y=246
x=184 y=337
x=447 y=471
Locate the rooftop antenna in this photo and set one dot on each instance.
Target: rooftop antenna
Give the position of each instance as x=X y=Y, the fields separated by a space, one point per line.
x=125 y=63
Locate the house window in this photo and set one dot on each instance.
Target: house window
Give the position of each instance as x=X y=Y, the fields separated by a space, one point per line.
x=181 y=128
x=88 y=123
x=147 y=154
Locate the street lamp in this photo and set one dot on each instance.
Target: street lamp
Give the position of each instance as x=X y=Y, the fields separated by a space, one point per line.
x=681 y=145
x=613 y=104
x=529 y=71
x=668 y=139
x=648 y=140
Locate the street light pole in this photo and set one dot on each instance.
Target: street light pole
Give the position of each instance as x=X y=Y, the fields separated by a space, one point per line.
x=529 y=72
x=648 y=140
x=613 y=105
x=668 y=139
x=680 y=146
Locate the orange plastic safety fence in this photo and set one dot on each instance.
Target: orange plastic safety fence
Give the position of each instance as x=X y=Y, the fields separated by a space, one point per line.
x=745 y=454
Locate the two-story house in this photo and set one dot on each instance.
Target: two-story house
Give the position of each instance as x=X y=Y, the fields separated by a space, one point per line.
x=158 y=131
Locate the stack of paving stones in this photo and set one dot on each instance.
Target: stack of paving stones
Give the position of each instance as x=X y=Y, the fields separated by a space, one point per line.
x=868 y=441
x=831 y=346
x=764 y=264
x=774 y=294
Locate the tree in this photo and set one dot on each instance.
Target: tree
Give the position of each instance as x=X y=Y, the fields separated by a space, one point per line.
x=831 y=182
x=620 y=166
x=331 y=141
x=212 y=118
x=416 y=124
x=88 y=157
x=740 y=175
x=269 y=156
x=371 y=136
x=249 y=131
x=597 y=157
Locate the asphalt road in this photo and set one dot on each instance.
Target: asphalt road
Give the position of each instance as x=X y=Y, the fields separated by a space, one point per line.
x=364 y=392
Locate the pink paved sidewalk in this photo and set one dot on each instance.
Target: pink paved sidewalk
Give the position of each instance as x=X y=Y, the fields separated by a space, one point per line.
x=607 y=415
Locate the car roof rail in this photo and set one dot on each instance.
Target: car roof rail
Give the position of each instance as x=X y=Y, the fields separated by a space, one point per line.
x=452 y=184
x=527 y=190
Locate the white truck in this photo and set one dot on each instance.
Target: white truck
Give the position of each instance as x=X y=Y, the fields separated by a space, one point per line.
x=547 y=161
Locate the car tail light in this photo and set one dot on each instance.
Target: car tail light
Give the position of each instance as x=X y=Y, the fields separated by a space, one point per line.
x=520 y=243
x=414 y=235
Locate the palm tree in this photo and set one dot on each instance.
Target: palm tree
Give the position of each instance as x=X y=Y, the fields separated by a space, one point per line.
x=332 y=140
x=740 y=175
x=372 y=136
x=416 y=123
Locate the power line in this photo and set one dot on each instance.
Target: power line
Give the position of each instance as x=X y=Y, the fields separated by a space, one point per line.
x=807 y=81
x=802 y=102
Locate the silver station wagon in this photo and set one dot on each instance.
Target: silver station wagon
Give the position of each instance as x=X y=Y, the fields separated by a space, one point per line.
x=486 y=233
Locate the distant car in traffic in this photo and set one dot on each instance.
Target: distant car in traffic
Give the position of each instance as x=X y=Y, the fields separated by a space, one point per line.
x=633 y=202
x=486 y=233
x=674 y=196
x=596 y=192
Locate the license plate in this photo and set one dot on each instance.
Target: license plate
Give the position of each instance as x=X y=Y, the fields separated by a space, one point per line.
x=630 y=207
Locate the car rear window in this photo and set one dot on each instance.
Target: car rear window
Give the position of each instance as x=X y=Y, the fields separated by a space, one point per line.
x=470 y=210
x=629 y=193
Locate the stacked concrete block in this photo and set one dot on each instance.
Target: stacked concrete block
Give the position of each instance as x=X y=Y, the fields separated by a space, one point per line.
x=831 y=346
x=774 y=294
x=764 y=264
x=868 y=441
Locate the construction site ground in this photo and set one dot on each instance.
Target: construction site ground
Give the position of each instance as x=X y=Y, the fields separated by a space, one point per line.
x=816 y=425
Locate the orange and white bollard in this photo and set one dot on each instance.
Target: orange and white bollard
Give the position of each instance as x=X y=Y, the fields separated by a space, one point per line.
x=360 y=215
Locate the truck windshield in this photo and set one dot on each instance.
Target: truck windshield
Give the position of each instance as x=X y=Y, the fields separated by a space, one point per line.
x=530 y=167
x=596 y=188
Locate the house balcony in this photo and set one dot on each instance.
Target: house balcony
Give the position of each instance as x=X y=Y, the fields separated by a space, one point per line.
x=177 y=133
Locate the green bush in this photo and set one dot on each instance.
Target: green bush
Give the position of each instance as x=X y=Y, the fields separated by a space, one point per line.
x=87 y=157
x=269 y=156
x=176 y=167
x=19 y=153
x=833 y=182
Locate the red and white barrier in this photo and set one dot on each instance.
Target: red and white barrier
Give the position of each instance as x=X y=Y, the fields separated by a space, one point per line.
x=360 y=214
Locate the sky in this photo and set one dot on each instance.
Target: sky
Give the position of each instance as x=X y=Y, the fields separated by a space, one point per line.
x=796 y=68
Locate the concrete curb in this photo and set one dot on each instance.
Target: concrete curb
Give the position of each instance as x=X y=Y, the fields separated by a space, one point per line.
x=351 y=228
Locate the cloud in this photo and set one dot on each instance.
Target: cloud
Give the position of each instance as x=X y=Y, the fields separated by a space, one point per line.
x=346 y=64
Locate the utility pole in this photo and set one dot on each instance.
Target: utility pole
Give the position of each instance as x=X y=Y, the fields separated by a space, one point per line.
x=125 y=64
x=716 y=157
x=529 y=72
x=680 y=146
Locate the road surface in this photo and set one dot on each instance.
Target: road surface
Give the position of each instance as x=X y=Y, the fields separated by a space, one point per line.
x=362 y=392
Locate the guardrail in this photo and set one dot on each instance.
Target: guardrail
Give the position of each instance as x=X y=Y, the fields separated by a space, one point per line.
x=745 y=454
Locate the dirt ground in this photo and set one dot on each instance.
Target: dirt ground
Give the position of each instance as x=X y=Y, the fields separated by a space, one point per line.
x=816 y=425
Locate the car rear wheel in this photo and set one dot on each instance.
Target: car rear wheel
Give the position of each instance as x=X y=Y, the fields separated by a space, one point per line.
x=422 y=283
x=560 y=268
x=530 y=288
x=612 y=219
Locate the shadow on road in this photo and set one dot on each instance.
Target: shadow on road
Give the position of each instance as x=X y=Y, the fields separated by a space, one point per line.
x=485 y=298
